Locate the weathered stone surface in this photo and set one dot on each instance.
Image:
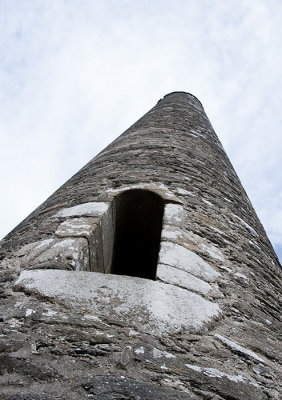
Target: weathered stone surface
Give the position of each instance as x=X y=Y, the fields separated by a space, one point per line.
x=87 y=209
x=182 y=278
x=60 y=340
x=179 y=257
x=148 y=305
x=119 y=387
x=77 y=227
x=9 y=364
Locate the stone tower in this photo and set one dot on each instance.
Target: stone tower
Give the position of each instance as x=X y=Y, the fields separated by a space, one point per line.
x=146 y=276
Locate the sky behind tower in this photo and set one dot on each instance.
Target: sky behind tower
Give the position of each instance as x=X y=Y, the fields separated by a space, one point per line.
x=74 y=74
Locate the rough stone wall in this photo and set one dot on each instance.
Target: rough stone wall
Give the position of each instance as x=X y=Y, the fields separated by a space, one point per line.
x=207 y=328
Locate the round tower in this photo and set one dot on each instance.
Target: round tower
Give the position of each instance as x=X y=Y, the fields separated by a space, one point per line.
x=146 y=275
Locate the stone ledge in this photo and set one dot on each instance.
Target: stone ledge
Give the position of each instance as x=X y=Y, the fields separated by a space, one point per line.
x=149 y=305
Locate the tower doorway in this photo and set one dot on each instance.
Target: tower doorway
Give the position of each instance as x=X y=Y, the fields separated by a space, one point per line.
x=139 y=216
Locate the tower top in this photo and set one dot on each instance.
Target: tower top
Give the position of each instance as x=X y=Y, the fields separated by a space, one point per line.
x=180 y=94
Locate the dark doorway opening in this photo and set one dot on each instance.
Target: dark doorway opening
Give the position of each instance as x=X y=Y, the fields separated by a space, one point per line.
x=139 y=216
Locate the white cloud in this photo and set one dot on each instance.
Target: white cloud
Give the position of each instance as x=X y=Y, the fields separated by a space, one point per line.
x=75 y=74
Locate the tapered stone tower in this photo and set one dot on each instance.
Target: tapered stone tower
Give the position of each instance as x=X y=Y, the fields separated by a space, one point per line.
x=146 y=276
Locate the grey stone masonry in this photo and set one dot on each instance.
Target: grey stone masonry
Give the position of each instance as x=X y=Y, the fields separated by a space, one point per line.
x=145 y=276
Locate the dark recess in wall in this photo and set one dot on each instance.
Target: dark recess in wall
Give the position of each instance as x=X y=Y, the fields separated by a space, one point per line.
x=139 y=216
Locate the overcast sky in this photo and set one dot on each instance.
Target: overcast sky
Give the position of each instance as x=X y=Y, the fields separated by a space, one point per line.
x=75 y=74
